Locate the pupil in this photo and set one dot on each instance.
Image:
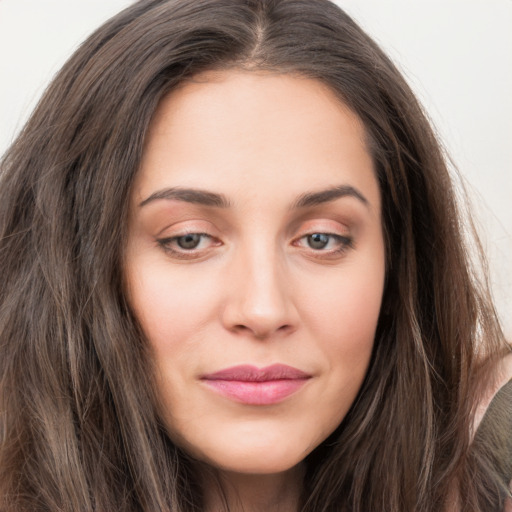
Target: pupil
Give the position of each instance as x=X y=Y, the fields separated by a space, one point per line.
x=190 y=241
x=318 y=240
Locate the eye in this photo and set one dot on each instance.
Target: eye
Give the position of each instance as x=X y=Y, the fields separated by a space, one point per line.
x=189 y=241
x=318 y=240
x=324 y=242
x=188 y=245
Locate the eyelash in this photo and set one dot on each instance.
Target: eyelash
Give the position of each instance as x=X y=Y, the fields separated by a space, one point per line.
x=343 y=244
x=182 y=253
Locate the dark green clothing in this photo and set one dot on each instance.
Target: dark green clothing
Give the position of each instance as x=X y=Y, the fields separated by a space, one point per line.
x=492 y=447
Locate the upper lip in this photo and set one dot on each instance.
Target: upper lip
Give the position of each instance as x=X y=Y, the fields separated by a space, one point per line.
x=249 y=373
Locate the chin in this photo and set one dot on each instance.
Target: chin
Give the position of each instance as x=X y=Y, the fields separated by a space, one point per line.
x=250 y=463
x=252 y=456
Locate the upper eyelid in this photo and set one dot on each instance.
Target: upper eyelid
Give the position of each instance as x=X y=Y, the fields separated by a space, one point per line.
x=299 y=233
x=344 y=238
x=177 y=230
x=168 y=239
x=295 y=229
x=338 y=230
x=186 y=233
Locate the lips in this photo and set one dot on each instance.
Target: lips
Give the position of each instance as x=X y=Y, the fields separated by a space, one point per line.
x=257 y=386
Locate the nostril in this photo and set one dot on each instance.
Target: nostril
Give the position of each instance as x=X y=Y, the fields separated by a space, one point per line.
x=262 y=333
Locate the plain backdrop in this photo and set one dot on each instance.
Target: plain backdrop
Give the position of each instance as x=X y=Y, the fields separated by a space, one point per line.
x=456 y=54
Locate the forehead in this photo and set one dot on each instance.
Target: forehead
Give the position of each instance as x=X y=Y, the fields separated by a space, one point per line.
x=282 y=132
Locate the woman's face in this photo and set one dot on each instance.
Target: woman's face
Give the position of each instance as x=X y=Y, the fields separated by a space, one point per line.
x=255 y=265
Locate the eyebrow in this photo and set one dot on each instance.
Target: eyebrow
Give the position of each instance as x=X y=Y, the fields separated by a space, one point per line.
x=213 y=199
x=328 y=195
x=189 y=195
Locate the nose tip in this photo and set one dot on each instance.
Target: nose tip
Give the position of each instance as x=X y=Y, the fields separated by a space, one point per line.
x=260 y=305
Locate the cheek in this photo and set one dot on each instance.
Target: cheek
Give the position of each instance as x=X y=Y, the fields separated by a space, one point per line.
x=172 y=309
x=346 y=308
x=342 y=316
x=344 y=320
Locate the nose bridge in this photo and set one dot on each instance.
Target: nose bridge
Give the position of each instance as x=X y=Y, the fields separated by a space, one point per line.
x=264 y=287
x=260 y=300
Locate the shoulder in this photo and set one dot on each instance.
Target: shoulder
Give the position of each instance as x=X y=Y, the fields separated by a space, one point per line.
x=488 y=455
x=492 y=443
x=503 y=379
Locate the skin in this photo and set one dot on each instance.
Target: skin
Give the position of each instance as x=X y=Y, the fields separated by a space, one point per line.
x=258 y=289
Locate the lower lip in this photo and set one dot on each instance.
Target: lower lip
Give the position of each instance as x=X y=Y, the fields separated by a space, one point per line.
x=256 y=393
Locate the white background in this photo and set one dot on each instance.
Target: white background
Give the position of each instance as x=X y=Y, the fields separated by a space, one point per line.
x=456 y=54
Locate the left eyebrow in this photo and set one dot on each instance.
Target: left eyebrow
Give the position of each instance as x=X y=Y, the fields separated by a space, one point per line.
x=328 y=195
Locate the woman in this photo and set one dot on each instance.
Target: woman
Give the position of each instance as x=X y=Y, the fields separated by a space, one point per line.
x=234 y=277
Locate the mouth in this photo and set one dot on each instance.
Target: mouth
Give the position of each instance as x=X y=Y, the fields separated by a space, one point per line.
x=257 y=386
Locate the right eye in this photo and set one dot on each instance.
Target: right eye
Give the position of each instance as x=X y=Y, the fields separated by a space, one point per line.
x=188 y=245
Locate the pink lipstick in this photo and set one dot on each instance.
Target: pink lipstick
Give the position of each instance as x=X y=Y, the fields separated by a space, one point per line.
x=257 y=386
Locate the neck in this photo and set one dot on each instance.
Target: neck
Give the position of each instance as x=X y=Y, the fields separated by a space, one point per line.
x=240 y=492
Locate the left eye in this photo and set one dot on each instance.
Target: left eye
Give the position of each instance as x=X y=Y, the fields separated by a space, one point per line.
x=318 y=240
x=324 y=241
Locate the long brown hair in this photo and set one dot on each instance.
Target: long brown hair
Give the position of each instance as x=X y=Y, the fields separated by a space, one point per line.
x=79 y=428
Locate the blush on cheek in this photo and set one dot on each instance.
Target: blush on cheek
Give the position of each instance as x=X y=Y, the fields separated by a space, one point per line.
x=172 y=310
x=347 y=307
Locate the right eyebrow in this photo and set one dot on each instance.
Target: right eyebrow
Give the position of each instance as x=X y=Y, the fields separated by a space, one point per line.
x=188 y=195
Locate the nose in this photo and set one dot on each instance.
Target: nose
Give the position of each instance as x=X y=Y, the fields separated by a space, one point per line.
x=260 y=297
